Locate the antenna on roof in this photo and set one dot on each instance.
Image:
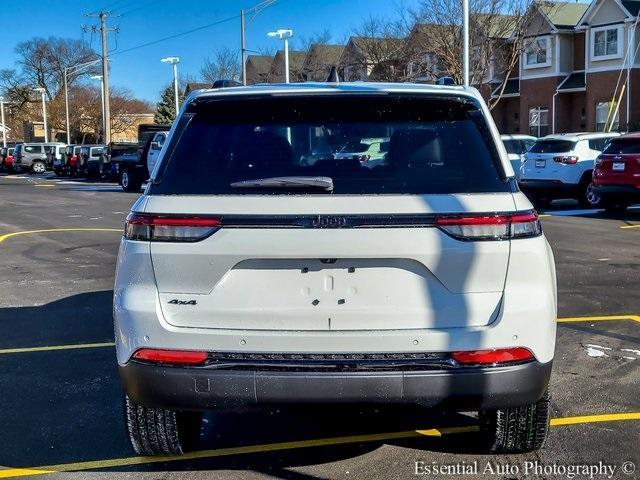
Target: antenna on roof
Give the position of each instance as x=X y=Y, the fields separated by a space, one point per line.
x=333 y=75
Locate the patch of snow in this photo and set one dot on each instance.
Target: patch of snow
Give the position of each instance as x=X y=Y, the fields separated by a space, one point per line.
x=594 y=352
x=637 y=352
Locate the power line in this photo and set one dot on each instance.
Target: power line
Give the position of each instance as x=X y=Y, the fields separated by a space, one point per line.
x=140 y=7
x=177 y=35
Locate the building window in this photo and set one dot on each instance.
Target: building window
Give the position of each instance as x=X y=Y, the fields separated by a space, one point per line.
x=538 y=53
x=605 y=43
x=539 y=121
x=604 y=111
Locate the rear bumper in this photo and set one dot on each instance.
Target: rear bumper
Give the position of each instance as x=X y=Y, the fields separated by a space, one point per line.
x=202 y=388
x=629 y=191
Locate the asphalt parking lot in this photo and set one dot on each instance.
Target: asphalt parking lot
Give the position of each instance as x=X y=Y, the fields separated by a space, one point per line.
x=60 y=396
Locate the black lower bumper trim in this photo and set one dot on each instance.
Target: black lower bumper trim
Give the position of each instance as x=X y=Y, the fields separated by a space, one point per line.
x=547 y=186
x=461 y=388
x=626 y=190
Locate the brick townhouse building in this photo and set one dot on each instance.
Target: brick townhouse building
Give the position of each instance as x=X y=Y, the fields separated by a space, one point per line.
x=574 y=57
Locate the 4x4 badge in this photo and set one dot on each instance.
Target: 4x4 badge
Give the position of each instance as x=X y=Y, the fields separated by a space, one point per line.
x=175 y=301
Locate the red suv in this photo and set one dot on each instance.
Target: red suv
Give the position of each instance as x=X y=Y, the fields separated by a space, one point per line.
x=6 y=158
x=616 y=176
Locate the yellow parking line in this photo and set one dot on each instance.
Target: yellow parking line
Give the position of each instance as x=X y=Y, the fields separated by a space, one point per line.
x=21 y=472
x=607 y=417
x=55 y=230
x=603 y=318
x=630 y=226
x=274 y=447
x=543 y=215
x=56 y=347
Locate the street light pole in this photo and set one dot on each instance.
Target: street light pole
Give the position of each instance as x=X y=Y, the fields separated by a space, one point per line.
x=66 y=105
x=67 y=71
x=4 y=125
x=44 y=113
x=284 y=34
x=100 y=77
x=174 y=61
x=243 y=49
x=465 y=42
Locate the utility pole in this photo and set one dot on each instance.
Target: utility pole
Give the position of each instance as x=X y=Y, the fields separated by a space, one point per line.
x=104 y=30
x=105 y=79
x=252 y=12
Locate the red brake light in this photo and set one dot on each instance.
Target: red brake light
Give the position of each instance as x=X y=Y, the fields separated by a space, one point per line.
x=169 y=229
x=493 y=357
x=566 y=159
x=173 y=357
x=491 y=227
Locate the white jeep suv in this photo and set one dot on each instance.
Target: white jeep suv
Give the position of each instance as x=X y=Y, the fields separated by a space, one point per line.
x=561 y=166
x=247 y=277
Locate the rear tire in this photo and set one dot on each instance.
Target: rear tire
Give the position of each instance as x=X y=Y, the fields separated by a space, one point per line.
x=38 y=167
x=160 y=431
x=518 y=429
x=589 y=197
x=129 y=182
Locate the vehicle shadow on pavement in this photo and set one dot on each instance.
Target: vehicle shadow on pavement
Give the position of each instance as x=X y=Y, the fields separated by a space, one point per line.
x=60 y=396
x=82 y=318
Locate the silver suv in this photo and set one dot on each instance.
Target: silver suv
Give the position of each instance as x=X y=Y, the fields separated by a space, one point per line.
x=32 y=157
x=248 y=276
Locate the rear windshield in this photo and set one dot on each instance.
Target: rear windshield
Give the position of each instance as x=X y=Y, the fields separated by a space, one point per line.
x=552 y=146
x=620 y=146
x=436 y=145
x=513 y=146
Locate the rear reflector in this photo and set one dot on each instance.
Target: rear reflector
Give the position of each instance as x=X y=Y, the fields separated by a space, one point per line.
x=491 y=227
x=172 y=357
x=493 y=357
x=169 y=228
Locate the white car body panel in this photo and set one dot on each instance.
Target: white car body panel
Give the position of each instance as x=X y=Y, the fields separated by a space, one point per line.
x=413 y=289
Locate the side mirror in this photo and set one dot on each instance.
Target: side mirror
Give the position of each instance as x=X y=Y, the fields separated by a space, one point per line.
x=155 y=146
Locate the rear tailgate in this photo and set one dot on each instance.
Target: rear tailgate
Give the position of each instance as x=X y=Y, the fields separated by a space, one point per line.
x=293 y=278
x=619 y=170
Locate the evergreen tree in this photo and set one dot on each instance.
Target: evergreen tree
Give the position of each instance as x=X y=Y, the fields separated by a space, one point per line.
x=165 y=109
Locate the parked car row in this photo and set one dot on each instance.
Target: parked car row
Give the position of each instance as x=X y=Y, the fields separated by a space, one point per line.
x=597 y=169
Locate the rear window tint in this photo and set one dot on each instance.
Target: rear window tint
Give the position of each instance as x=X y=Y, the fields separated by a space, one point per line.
x=552 y=146
x=513 y=147
x=436 y=145
x=621 y=146
x=33 y=149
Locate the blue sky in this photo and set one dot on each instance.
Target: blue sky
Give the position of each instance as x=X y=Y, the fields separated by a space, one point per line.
x=145 y=21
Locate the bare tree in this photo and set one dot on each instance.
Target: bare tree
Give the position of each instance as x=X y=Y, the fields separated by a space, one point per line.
x=303 y=43
x=373 y=51
x=496 y=41
x=225 y=65
x=42 y=61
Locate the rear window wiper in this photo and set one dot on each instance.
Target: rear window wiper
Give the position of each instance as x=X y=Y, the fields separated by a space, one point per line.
x=324 y=183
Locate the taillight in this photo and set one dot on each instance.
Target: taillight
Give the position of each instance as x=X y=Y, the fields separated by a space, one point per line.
x=160 y=228
x=491 y=227
x=566 y=159
x=170 y=357
x=493 y=357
